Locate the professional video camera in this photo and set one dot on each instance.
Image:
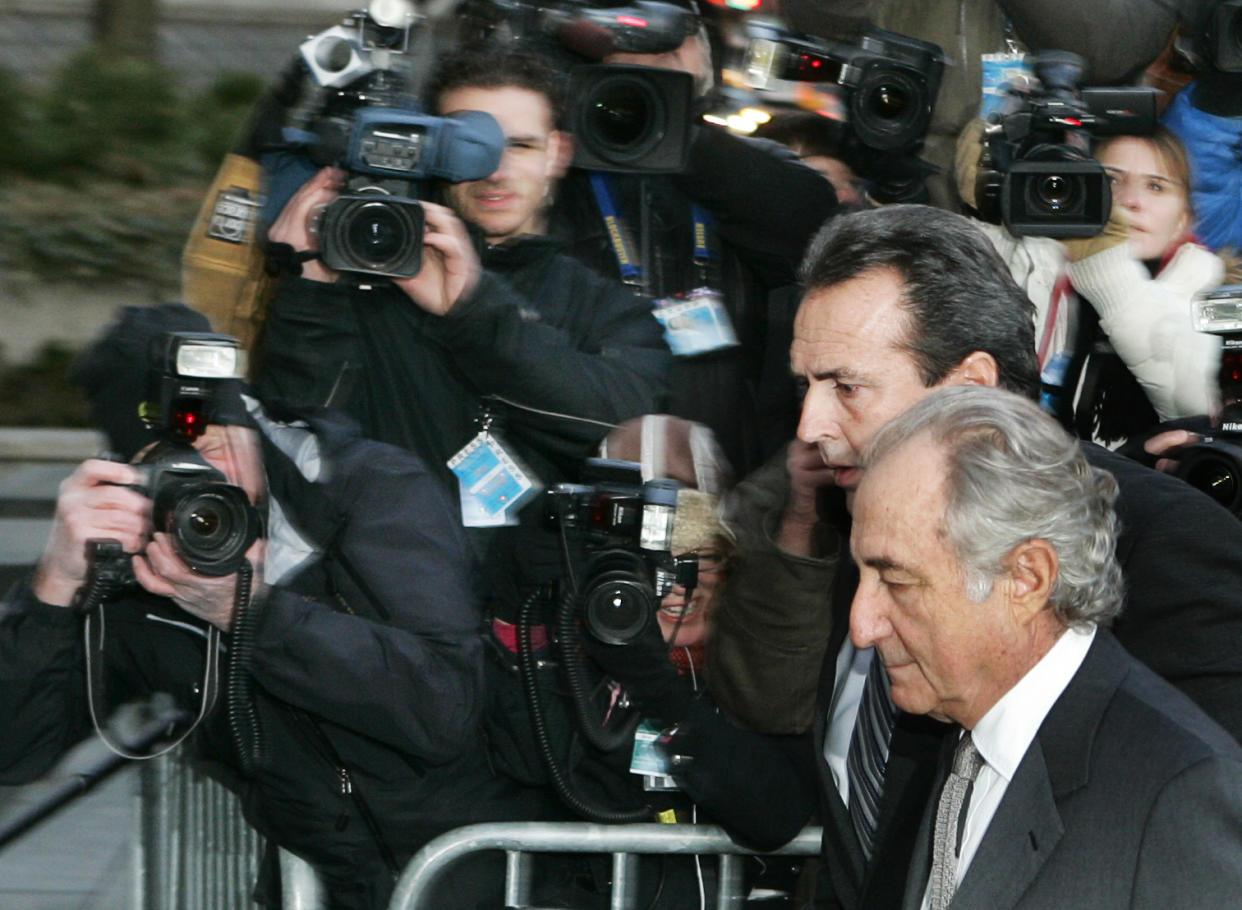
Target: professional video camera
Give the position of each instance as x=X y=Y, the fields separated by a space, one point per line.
x=1215 y=465
x=1037 y=176
x=626 y=119
x=892 y=80
x=358 y=114
x=210 y=522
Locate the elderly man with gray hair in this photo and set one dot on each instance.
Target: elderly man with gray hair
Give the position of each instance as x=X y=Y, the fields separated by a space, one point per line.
x=1077 y=777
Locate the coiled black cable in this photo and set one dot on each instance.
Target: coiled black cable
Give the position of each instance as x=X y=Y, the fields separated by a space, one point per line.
x=559 y=776
x=243 y=713
x=601 y=735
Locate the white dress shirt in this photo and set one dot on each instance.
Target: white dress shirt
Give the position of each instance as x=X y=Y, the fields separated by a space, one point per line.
x=852 y=667
x=1005 y=732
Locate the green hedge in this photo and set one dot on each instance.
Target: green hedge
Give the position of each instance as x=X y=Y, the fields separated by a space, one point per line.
x=119 y=119
x=102 y=172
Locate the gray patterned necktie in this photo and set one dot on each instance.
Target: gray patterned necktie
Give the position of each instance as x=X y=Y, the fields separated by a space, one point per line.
x=950 y=818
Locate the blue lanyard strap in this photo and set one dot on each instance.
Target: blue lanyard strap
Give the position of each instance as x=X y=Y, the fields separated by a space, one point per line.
x=703 y=221
x=631 y=269
x=627 y=262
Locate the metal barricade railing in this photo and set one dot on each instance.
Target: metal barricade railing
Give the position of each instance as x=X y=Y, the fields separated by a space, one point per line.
x=196 y=851
x=520 y=840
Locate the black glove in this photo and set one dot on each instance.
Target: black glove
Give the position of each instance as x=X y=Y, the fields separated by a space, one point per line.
x=643 y=668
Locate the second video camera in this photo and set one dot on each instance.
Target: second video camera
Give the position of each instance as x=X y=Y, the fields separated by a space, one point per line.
x=360 y=116
x=892 y=80
x=1037 y=176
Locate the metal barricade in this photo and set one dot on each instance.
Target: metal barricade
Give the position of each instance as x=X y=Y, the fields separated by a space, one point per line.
x=521 y=839
x=196 y=851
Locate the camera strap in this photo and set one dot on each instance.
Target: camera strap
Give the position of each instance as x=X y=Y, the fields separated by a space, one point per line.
x=209 y=686
x=694 y=322
x=282 y=258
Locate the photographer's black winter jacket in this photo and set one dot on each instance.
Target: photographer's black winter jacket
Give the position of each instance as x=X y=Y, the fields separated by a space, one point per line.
x=556 y=353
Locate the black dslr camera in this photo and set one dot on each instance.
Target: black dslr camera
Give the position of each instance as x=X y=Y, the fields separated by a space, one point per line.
x=357 y=114
x=619 y=530
x=1037 y=176
x=1215 y=465
x=211 y=523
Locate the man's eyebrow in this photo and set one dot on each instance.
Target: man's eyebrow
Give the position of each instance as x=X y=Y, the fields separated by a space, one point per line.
x=838 y=373
x=524 y=139
x=882 y=563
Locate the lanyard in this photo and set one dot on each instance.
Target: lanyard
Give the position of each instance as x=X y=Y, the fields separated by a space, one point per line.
x=623 y=248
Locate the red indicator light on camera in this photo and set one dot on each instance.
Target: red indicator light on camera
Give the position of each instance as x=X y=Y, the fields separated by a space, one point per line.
x=187 y=424
x=633 y=21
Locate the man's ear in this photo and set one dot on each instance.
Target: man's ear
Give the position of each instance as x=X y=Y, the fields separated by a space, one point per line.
x=560 y=153
x=976 y=368
x=1032 y=569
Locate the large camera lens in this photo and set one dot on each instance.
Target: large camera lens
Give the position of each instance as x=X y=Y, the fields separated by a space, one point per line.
x=373 y=233
x=623 y=119
x=622 y=116
x=1216 y=469
x=1055 y=192
x=1057 y=195
x=890 y=108
x=211 y=524
x=887 y=101
x=618 y=609
x=618 y=599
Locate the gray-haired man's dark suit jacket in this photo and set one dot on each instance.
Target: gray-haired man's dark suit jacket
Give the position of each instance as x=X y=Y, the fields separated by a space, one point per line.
x=1128 y=797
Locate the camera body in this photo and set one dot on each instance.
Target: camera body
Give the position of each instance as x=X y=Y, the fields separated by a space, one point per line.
x=210 y=522
x=375 y=226
x=359 y=115
x=1037 y=176
x=193 y=381
x=892 y=80
x=1215 y=465
x=620 y=531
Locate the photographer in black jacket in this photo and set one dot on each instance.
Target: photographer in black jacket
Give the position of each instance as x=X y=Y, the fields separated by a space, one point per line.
x=360 y=650
x=499 y=337
x=755 y=206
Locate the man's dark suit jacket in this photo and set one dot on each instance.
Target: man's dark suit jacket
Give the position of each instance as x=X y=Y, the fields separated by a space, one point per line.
x=1129 y=798
x=1181 y=555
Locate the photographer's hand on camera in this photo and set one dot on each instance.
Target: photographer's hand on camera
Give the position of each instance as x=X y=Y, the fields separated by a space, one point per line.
x=451 y=267
x=294 y=224
x=214 y=599
x=95 y=502
x=1116 y=231
x=643 y=669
